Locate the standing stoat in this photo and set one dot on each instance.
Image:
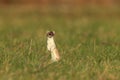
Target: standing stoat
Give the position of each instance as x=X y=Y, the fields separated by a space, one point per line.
x=52 y=47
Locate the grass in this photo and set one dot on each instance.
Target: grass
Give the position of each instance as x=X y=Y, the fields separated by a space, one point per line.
x=88 y=41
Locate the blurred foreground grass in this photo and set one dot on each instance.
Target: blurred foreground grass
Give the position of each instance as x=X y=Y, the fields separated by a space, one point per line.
x=88 y=40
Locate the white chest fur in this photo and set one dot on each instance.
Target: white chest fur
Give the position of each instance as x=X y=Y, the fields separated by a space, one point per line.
x=51 y=44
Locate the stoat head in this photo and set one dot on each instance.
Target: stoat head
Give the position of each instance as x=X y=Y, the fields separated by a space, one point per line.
x=50 y=34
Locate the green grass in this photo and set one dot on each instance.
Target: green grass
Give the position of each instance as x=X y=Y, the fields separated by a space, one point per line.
x=88 y=41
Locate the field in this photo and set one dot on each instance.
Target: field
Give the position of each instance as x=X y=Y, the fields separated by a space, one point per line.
x=88 y=40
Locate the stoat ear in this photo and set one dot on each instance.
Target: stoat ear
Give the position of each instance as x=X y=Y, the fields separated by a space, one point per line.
x=47 y=33
x=54 y=32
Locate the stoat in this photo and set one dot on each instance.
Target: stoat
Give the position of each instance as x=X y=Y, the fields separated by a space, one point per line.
x=52 y=47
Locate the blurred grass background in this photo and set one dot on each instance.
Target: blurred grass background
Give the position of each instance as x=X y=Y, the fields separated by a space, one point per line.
x=87 y=36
